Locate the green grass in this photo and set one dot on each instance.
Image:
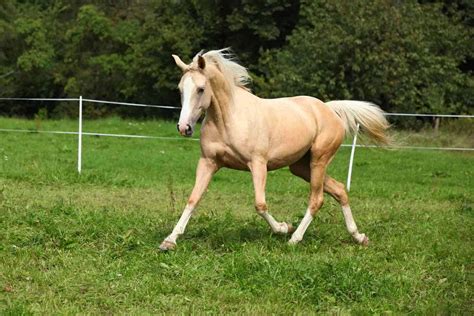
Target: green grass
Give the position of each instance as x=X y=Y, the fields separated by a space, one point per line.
x=87 y=244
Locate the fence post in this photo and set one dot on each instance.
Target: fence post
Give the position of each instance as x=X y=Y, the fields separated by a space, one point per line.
x=351 y=161
x=79 y=134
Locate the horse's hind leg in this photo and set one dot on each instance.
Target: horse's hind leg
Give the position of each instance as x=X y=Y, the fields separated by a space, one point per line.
x=334 y=188
x=318 y=163
x=337 y=191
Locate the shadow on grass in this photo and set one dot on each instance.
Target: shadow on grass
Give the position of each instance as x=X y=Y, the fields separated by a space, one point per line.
x=227 y=233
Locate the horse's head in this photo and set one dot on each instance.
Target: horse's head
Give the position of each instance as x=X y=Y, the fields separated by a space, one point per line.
x=195 y=93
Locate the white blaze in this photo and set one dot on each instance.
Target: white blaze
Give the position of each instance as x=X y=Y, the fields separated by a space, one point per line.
x=188 y=87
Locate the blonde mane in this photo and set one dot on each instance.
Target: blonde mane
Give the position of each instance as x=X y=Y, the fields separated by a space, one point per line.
x=236 y=75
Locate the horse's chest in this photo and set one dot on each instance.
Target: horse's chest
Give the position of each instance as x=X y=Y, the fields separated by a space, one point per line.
x=226 y=156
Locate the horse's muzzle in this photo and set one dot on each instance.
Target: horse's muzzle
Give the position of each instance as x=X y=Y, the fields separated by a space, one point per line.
x=185 y=130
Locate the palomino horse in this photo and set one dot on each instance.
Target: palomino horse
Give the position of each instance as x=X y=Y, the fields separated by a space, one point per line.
x=242 y=131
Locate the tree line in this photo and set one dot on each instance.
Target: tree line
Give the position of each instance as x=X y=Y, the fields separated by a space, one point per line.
x=407 y=56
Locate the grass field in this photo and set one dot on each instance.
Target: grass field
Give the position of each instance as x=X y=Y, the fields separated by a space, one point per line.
x=87 y=244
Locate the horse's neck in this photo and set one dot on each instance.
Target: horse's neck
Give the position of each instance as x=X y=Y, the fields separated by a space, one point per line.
x=219 y=113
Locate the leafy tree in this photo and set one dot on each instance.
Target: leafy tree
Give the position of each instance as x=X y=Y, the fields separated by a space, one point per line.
x=8 y=45
x=402 y=55
x=245 y=25
x=29 y=56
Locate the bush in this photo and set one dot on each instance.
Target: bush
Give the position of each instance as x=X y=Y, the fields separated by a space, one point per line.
x=403 y=56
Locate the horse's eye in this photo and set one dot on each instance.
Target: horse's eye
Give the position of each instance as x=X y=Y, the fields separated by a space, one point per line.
x=200 y=90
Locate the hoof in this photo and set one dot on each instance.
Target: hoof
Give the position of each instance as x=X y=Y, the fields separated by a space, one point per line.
x=363 y=240
x=167 y=245
x=293 y=242
x=291 y=228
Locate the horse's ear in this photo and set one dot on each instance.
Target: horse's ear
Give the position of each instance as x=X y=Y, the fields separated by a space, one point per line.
x=201 y=62
x=180 y=63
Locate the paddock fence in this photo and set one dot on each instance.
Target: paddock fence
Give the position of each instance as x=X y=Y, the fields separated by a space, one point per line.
x=80 y=133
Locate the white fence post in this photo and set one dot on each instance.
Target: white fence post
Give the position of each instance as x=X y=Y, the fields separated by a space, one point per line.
x=351 y=161
x=79 y=134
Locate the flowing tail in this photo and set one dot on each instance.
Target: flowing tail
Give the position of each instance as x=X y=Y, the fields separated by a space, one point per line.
x=368 y=115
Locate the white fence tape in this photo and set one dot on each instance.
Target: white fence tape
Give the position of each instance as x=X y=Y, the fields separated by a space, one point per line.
x=97 y=134
x=430 y=115
x=178 y=108
x=134 y=104
x=40 y=99
x=413 y=147
x=80 y=132
x=197 y=139
x=94 y=101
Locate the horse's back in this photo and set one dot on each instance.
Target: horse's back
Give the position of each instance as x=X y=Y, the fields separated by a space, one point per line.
x=309 y=108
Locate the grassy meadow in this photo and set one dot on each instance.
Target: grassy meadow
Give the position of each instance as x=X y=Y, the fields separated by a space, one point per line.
x=88 y=244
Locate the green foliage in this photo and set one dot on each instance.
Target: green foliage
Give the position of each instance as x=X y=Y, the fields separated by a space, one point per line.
x=165 y=29
x=8 y=46
x=91 y=65
x=249 y=26
x=39 y=53
x=404 y=56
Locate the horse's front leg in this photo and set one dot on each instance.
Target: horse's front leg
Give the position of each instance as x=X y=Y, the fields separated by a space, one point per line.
x=259 y=177
x=204 y=172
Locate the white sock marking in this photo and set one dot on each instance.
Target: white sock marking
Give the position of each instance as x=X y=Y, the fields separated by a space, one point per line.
x=351 y=225
x=303 y=226
x=276 y=226
x=181 y=225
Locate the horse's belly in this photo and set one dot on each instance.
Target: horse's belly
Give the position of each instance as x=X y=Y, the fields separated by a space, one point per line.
x=289 y=147
x=286 y=159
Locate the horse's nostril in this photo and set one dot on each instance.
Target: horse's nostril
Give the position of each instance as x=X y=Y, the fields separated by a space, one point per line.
x=189 y=130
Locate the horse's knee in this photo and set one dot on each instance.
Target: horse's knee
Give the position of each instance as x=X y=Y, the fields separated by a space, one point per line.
x=341 y=195
x=344 y=200
x=315 y=204
x=337 y=190
x=261 y=207
x=191 y=202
